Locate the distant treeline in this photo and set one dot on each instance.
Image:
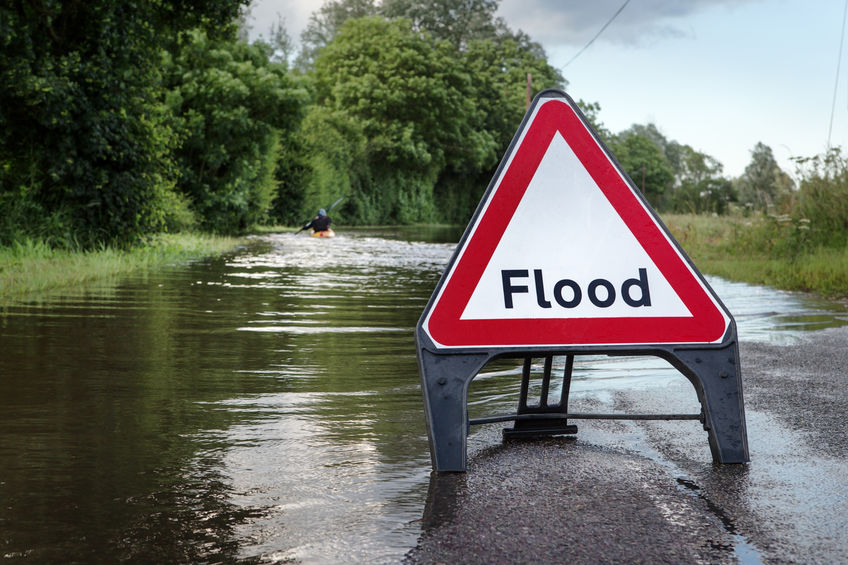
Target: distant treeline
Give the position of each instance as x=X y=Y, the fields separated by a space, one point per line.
x=120 y=119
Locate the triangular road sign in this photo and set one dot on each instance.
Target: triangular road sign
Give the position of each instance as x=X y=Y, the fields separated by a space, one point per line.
x=564 y=251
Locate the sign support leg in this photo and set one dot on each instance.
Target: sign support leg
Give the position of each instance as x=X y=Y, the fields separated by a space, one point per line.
x=444 y=383
x=543 y=427
x=716 y=375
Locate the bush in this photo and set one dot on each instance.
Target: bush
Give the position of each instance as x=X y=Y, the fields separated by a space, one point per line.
x=230 y=105
x=409 y=98
x=334 y=148
x=85 y=142
x=823 y=198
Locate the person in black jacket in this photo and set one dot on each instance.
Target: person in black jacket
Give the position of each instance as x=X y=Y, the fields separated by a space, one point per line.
x=321 y=222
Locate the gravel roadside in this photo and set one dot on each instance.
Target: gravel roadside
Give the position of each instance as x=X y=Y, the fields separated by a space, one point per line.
x=648 y=492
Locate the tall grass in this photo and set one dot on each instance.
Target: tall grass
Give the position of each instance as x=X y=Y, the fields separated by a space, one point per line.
x=805 y=247
x=29 y=266
x=822 y=271
x=773 y=250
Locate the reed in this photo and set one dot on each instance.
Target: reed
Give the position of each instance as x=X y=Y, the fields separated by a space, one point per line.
x=770 y=250
x=30 y=267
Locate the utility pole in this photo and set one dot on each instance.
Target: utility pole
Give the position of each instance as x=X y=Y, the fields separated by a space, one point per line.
x=529 y=91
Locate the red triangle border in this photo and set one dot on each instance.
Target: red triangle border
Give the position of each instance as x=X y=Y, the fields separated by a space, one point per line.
x=708 y=323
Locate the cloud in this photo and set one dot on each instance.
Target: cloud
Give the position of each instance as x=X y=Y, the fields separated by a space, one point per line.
x=550 y=22
x=574 y=22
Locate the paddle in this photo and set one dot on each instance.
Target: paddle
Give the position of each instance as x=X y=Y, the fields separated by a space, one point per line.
x=333 y=205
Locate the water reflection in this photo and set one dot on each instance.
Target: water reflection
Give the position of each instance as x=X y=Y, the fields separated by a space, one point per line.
x=777 y=316
x=259 y=406
x=350 y=489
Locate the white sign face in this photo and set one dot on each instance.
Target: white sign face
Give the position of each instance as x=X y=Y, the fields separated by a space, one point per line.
x=547 y=262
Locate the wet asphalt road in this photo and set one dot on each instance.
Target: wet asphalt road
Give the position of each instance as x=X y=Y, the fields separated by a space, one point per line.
x=648 y=492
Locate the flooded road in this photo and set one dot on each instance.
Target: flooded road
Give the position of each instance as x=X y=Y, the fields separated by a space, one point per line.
x=260 y=407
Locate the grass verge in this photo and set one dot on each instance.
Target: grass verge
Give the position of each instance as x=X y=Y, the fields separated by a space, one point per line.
x=754 y=250
x=30 y=267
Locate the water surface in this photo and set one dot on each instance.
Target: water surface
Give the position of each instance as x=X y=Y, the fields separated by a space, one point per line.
x=262 y=406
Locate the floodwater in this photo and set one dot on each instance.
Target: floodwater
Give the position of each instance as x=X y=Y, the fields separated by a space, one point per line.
x=260 y=407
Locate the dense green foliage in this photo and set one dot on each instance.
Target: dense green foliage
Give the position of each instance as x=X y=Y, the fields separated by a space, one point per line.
x=415 y=107
x=430 y=92
x=808 y=220
x=85 y=143
x=674 y=177
x=231 y=105
x=645 y=163
x=763 y=184
x=334 y=148
x=122 y=119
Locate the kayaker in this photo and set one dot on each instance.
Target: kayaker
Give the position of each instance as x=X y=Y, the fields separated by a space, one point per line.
x=321 y=222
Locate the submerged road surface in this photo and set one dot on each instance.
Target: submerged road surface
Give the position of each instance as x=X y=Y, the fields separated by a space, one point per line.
x=648 y=492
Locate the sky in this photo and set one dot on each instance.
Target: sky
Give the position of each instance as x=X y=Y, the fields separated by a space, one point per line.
x=718 y=75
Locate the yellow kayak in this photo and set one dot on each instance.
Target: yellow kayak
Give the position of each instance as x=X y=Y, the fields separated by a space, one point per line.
x=323 y=233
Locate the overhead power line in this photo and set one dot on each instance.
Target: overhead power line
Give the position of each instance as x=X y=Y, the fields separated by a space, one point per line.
x=591 y=41
x=838 y=64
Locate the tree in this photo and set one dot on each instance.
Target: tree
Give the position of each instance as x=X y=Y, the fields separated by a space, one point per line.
x=499 y=72
x=693 y=166
x=325 y=23
x=651 y=132
x=335 y=165
x=670 y=149
x=415 y=107
x=85 y=144
x=823 y=198
x=231 y=105
x=434 y=120
x=456 y=21
x=592 y=111
x=696 y=184
x=646 y=164
x=281 y=42
x=699 y=186
x=763 y=183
